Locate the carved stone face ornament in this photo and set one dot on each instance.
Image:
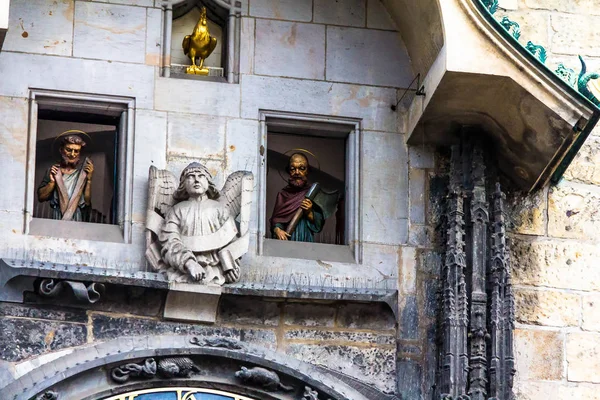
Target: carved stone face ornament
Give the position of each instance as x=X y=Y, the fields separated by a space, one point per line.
x=196 y=184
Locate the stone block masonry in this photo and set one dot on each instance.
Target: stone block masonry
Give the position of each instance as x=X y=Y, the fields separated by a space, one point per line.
x=555 y=233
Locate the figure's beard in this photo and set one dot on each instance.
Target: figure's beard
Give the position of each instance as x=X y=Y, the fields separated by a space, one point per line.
x=68 y=162
x=298 y=182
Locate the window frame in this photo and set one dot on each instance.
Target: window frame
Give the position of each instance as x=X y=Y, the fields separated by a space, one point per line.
x=352 y=251
x=124 y=108
x=233 y=35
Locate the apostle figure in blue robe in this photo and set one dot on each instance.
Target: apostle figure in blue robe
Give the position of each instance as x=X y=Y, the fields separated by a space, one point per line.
x=293 y=197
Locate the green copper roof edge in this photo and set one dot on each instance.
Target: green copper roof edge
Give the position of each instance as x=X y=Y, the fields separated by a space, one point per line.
x=578 y=143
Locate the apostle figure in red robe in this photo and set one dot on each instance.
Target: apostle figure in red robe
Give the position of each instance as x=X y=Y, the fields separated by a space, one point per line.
x=290 y=199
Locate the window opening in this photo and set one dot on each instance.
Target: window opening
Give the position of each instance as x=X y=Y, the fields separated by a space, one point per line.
x=71 y=132
x=326 y=158
x=332 y=148
x=102 y=151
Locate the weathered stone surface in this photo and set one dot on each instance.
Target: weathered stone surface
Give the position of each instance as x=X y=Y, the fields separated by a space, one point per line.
x=367 y=57
x=583 y=357
x=584 y=7
x=408 y=270
x=261 y=337
x=121 y=30
x=373 y=365
x=534 y=26
x=23 y=338
x=409 y=379
x=547 y=307
x=40 y=26
x=309 y=314
x=300 y=49
x=340 y=12
x=378 y=17
x=150 y=149
x=591 y=316
x=247 y=45
x=585 y=168
x=85 y=76
x=552 y=263
x=538 y=354
x=386 y=167
x=429 y=262
x=408 y=325
x=417 y=196
x=571 y=211
x=107 y=327
x=182 y=95
x=568 y=40
x=556 y=391
x=371 y=104
x=293 y=10
x=196 y=136
x=153 y=36
x=527 y=213
x=248 y=311
x=13 y=136
x=339 y=337
x=365 y=316
x=420 y=156
x=41 y=312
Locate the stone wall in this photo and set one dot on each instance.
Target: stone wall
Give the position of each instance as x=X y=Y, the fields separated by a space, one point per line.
x=555 y=234
x=352 y=338
x=341 y=58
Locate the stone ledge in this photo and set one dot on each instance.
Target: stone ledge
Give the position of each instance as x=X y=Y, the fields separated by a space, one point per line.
x=17 y=276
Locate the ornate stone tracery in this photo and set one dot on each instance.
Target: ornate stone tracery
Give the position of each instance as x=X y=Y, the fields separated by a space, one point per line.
x=477 y=364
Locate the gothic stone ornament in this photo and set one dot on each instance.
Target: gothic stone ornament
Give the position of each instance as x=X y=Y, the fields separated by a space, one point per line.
x=67 y=185
x=191 y=231
x=125 y=372
x=487 y=368
x=224 y=343
x=48 y=395
x=199 y=45
x=170 y=367
x=455 y=363
x=264 y=378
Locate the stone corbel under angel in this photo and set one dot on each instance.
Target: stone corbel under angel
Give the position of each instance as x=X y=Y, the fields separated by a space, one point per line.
x=194 y=232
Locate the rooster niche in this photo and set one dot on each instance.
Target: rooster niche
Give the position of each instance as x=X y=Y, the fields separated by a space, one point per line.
x=199 y=45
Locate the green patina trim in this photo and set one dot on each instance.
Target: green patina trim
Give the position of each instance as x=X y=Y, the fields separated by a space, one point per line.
x=568 y=75
x=511 y=27
x=577 y=83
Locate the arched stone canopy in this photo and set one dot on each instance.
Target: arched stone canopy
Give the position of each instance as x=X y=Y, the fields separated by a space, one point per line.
x=85 y=373
x=474 y=75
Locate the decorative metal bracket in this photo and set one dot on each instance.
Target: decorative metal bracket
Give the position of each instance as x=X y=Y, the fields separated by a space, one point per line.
x=85 y=294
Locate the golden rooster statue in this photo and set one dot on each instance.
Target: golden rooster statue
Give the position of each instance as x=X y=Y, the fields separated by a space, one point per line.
x=199 y=45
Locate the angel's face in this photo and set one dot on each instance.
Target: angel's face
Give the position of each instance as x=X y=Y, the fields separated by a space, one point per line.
x=196 y=184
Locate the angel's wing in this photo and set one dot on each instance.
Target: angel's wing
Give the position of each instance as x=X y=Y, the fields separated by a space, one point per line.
x=161 y=186
x=236 y=195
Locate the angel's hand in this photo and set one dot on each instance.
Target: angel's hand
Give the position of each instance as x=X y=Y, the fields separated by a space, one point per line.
x=195 y=270
x=233 y=275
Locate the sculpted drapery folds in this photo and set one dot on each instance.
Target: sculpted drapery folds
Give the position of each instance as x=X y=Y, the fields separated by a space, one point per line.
x=292 y=198
x=192 y=232
x=67 y=185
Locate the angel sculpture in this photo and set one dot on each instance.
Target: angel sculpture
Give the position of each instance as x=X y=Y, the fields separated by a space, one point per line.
x=191 y=229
